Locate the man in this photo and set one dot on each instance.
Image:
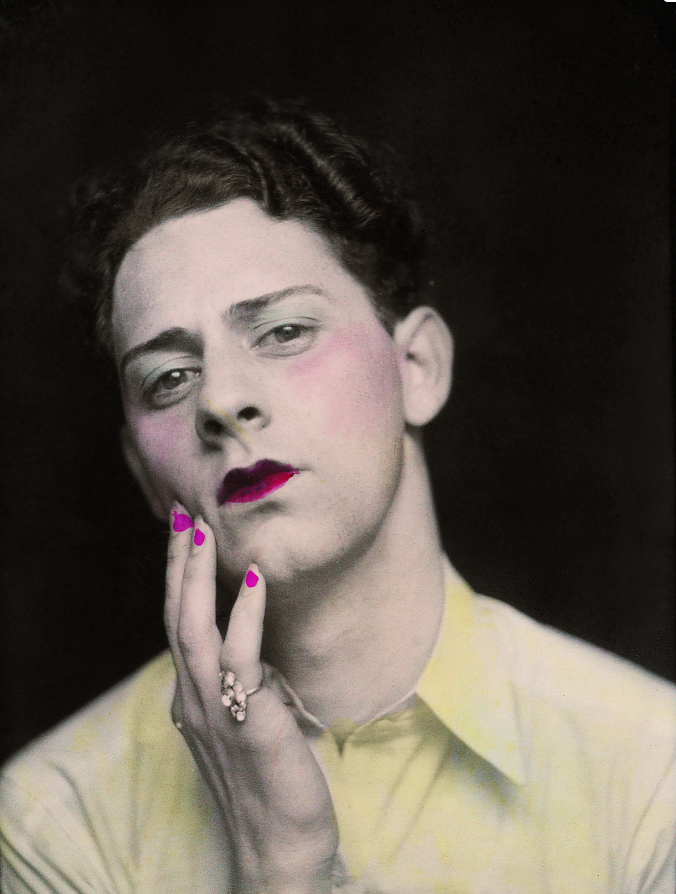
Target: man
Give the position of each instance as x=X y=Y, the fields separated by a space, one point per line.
x=349 y=714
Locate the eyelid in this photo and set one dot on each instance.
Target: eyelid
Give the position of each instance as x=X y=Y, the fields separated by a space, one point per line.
x=184 y=361
x=158 y=398
x=286 y=319
x=307 y=331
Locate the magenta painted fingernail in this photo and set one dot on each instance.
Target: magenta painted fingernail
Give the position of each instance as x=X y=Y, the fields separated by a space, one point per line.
x=251 y=579
x=181 y=521
x=199 y=537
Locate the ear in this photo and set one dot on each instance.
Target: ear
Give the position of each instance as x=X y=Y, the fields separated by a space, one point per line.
x=137 y=469
x=425 y=348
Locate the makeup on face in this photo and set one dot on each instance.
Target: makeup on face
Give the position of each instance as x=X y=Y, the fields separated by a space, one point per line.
x=255 y=482
x=229 y=310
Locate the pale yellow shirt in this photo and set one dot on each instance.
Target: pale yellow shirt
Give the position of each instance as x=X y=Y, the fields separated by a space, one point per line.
x=526 y=762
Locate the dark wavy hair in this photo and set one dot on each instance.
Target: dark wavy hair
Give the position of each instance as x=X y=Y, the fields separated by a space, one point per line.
x=294 y=163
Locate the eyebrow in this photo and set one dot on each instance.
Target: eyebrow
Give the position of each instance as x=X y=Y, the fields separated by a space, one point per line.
x=179 y=339
x=246 y=311
x=175 y=339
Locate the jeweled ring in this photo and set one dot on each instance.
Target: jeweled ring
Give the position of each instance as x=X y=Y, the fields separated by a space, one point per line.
x=234 y=695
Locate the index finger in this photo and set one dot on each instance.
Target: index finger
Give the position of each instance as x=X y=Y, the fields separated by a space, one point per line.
x=181 y=528
x=197 y=635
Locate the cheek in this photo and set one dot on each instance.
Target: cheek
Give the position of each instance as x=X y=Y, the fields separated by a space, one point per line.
x=159 y=445
x=351 y=383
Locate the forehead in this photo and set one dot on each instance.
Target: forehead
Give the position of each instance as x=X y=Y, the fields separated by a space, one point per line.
x=206 y=261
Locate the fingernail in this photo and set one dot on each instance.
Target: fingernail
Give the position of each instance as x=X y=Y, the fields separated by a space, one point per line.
x=181 y=521
x=251 y=579
x=199 y=537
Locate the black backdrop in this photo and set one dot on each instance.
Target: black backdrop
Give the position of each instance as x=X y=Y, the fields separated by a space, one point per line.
x=537 y=140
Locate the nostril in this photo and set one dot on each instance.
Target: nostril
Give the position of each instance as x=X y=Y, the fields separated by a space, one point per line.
x=247 y=414
x=213 y=427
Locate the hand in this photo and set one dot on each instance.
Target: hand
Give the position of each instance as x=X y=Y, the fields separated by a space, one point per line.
x=270 y=790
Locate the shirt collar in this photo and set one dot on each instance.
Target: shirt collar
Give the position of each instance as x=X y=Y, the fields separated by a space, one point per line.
x=466 y=683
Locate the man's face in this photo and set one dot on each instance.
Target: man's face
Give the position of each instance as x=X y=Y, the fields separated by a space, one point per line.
x=241 y=339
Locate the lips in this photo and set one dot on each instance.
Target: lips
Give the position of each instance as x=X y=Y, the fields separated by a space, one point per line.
x=247 y=485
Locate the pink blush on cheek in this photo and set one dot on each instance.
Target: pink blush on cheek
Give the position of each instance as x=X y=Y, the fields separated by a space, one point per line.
x=358 y=370
x=163 y=451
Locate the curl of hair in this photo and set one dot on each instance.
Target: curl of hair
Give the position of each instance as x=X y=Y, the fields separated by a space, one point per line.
x=295 y=164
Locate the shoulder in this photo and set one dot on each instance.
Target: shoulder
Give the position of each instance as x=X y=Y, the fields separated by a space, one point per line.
x=111 y=800
x=135 y=711
x=84 y=775
x=578 y=679
x=592 y=725
x=598 y=739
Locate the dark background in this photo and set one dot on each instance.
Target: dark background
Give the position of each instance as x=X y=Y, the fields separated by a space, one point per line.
x=537 y=139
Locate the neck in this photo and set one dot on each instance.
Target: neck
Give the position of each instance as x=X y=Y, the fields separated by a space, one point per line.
x=363 y=645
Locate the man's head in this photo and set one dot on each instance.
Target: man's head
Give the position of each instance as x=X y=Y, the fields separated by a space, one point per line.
x=259 y=320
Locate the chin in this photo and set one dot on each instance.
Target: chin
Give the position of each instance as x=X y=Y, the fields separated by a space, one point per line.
x=286 y=557
x=301 y=546
x=284 y=565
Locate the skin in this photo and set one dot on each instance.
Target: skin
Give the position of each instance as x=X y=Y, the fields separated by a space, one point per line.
x=270 y=349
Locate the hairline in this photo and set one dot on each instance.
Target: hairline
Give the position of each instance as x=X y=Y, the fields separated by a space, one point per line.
x=332 y=242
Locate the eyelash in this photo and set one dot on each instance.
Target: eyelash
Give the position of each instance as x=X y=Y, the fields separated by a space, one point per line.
x=303 y=331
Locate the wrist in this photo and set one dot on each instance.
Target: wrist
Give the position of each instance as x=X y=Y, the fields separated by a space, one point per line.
x=318 y=879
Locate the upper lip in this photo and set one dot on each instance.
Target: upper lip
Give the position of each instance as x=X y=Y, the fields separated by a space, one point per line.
x=236 y=479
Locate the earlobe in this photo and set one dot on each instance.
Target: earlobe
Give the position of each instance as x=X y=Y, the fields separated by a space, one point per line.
x=425 y=347
x=135 y=465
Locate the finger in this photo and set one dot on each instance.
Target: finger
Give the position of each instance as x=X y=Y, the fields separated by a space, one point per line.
x=180 y=536
x=242 y=647
x=197 y=635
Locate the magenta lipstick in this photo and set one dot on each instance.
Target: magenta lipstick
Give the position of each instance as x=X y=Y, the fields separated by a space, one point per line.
x=247 y=485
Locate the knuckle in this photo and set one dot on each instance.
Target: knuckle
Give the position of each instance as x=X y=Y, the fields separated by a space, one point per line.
x=188 y=728
x=193 y=625
x=185 y=640
x=177 y=713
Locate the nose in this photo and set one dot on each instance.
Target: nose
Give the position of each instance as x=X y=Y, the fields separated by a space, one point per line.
x=221 y=415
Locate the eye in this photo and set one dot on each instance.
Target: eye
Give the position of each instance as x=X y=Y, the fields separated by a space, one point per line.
x=287 y=338
x=172 y=379
x=287 y=332
x=170 y=386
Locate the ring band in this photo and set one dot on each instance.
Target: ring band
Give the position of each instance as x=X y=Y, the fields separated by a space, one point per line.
x=234 y=695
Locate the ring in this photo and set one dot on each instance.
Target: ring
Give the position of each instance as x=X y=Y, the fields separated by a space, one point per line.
x=234 y=695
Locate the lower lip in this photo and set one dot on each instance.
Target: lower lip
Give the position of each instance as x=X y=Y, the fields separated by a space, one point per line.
x=263 y=487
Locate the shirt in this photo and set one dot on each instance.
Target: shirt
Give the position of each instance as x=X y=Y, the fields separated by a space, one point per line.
x=526 y=761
